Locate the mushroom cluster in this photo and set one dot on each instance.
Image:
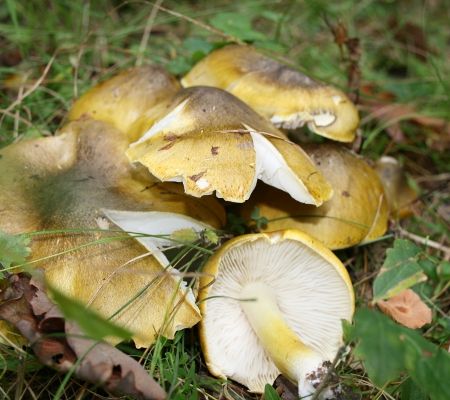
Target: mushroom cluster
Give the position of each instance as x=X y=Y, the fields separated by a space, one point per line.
x=270 y=302
x=60 y=185
x=285 y=96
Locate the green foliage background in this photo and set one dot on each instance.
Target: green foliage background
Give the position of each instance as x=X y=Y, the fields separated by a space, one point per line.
x=53 y=51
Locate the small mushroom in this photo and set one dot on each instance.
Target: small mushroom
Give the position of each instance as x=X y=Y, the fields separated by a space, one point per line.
x=212 y=141
x=282 y=94
x=400 y=196
x=122 y=99
x=357 y=212
x=273 y=303
x=59 y=186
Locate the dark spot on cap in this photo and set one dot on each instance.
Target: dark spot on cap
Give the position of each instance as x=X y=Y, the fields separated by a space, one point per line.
x=345 y=193
x=215 y=150
x=170 y=137
x=167 y=146
x=196 y=177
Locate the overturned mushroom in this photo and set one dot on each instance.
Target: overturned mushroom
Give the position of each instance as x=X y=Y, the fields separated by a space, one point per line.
x=211 y=141
x=122 y=99
x=284 y=95
x=273 y=303
x=60 y=185
x=357 y=212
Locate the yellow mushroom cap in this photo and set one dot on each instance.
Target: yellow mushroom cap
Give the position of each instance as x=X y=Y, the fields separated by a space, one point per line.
x=122 y=99
x=64 y=182
x=357 y=211
x=272 y=303
x=213 y=142
x=284 y=95
x=400 y=196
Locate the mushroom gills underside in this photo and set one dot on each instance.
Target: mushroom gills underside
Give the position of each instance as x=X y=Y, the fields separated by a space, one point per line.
x=248 y=353
x=292 y=357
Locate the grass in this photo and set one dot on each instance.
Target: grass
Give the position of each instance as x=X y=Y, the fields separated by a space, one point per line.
x=53 y=51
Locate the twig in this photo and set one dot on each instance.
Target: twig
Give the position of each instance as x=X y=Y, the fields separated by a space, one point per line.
x=32 y=88
x=147 y=31
x=433 y=178
x=350 y=52
x=324 y=383
x=75 y=71
x=424 y=241
x=21 y=119
x=202 y=25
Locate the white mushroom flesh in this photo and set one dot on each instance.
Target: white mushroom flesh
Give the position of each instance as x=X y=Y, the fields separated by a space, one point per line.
x=272 y=169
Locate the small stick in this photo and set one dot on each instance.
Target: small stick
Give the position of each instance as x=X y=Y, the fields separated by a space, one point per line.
x=33 y=88
x=424 y=241
x=202 y=25
x=147 y=31
x=324 y=383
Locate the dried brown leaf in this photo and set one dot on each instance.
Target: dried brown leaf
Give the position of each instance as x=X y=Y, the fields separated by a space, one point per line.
x=412 y=37
x=286 y=389
x=390 y=114
x=61 y=344
x=408 y=309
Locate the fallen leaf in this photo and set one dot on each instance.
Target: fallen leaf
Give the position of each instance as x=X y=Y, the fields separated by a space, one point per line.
x=390 y=114
x=62 y=345
x=11 y=57
x=408 y=309
x=286 y=389
x=13 y=249
x=412 y=37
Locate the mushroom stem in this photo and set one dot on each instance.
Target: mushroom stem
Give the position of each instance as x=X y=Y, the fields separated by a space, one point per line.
x=292 y=357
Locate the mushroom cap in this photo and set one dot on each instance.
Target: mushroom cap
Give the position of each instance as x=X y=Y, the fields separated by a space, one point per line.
x=122 y=99
x=311 y=287
x=282 y=94
x=357 y=211
x=212 y=141
x=399 y=195
x=63 y=182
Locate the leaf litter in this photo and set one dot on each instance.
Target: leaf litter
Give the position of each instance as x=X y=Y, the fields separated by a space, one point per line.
x=62 y=345
x=408 y=309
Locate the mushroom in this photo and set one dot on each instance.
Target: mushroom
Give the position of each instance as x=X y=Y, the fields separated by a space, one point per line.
x=155 y=225
x=282 y=94
x=211 y=141
x=273 y=303
x=59 y=187
x=122 y=99
x=399 y=195
x=356 y=213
